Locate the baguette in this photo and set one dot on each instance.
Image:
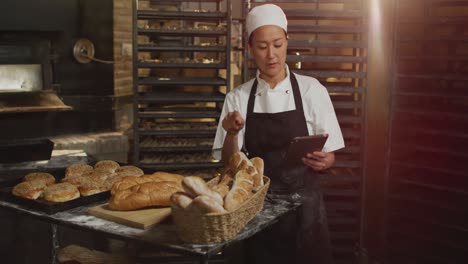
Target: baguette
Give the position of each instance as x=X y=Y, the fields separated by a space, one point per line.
x=235 y=161
x=241 y=190
x=222 y=189
x=205 y=204
x=195 y=186
x=144 y=195
x=258 y=177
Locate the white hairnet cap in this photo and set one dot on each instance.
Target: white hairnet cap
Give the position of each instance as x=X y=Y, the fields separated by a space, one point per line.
x=267 y=14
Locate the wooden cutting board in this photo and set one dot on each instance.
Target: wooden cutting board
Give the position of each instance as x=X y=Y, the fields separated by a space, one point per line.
x=143 y=218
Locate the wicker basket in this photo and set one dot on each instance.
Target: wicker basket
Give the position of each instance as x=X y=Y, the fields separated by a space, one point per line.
x=214 y=228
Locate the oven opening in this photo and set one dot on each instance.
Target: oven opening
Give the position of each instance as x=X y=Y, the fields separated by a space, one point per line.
x=27 y=78
x=21 y=78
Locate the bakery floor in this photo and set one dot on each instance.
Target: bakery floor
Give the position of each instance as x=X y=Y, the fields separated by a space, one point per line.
x=26 y=240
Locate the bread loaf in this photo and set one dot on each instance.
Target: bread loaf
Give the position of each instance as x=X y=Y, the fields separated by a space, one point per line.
x=241 y=190
x=195 y=186
x=129 y=181
x=205 y=204
x=61 y=192
x=180 y=200
x=144 y=195
x=29 y=189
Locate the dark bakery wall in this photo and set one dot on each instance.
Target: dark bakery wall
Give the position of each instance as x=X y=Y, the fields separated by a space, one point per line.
x=88 y=88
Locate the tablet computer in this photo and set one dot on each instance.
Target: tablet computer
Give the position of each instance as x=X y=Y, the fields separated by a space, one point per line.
x=300 y=146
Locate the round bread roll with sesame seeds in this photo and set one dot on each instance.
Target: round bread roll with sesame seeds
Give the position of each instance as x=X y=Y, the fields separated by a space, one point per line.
x=106 y=165
x=78 y=169
x=61 y=192
x=129 y=170
x=47 y=178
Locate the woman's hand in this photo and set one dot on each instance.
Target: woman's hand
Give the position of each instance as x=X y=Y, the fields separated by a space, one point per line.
x=319 y=161
x=233 y=123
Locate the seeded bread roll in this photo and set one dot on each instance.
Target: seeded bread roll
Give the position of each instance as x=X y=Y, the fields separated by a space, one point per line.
x=205 y=204
x=106 y=165
x=195 y=186
x=78 y=169
x=61 y=192
x=91 y=187
x=144 y=195
x=129 y=170
x=29 y=189
x=47 y=178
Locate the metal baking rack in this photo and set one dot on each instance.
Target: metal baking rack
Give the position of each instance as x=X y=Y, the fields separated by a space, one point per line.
x=181 y=76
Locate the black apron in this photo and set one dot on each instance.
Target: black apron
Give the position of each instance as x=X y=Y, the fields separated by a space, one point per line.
x=300 y=238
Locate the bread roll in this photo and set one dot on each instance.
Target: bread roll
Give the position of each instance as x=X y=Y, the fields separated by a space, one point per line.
x=106 y=165
x=144 y=195
x=78 y=169
x=101 y=176
x=205 y=204
x=29 y=189
x=40 y=176
x=180 y=200
x=222 y=189
x=258 y=177
x=129 y=170
x=195 y=186
x=241 y=190
x=61 y=192
x=91 y=186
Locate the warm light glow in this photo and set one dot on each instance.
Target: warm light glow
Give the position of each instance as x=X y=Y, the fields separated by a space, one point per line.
x=375 y=23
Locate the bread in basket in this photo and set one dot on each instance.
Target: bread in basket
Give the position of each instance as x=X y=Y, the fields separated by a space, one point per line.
x=211 y=228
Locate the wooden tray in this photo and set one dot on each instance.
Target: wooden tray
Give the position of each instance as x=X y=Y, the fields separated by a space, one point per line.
x=142 y=218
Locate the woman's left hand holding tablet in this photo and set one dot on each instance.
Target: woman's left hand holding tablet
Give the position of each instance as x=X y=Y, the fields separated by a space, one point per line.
x=319 y=160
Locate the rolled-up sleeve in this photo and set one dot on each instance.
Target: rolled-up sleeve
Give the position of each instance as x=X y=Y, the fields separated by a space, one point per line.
x=232 y=103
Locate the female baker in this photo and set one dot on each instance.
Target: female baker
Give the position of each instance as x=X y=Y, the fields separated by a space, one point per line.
x=260 y=117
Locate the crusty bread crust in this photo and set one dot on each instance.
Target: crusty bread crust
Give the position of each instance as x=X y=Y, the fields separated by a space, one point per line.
x=144 y=195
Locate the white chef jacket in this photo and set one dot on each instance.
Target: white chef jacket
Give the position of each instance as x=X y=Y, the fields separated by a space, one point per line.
x=318 y=109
